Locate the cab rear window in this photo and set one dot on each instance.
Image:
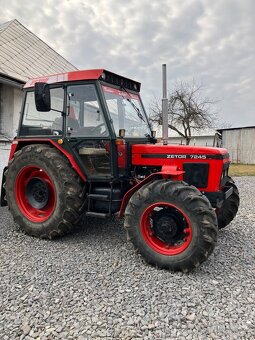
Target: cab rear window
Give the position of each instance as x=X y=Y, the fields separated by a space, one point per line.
x=36 y=123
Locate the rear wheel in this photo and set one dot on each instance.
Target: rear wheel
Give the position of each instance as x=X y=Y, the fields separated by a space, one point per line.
x=227 y=212
x=43 y=192
x=172 y=225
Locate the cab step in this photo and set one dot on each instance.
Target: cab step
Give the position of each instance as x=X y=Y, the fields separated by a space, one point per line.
x=98 y=197
x=96 y=214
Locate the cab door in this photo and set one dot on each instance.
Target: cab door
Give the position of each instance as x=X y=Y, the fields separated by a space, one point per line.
x=88 y=131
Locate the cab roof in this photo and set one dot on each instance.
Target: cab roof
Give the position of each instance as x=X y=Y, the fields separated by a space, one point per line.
x=95 y=74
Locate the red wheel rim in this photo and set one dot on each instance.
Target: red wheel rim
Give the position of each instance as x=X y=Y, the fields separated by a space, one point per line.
x=35 y=193
x=182 y=229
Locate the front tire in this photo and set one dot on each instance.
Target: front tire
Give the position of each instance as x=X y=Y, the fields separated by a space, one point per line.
x=172 y=225
x=44 y=193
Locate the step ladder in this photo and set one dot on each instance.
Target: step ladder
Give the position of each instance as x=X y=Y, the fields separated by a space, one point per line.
x=93 y=197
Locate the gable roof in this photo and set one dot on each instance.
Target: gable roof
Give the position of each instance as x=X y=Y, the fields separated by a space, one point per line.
x=23 y=55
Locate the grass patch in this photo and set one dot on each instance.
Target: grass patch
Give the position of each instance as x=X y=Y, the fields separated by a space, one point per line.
x=242 y=170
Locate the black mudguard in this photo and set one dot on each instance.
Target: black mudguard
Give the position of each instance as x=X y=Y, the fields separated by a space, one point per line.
x=3 y=201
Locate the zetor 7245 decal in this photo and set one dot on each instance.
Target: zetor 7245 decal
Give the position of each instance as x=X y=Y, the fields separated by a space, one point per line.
x=85 y=147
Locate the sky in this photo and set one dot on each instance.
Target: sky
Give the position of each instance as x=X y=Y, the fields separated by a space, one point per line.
x=210 y=42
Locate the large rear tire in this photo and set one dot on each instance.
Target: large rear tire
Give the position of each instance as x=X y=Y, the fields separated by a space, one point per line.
x=44 y=193
x=227 y=212
x=172 y=225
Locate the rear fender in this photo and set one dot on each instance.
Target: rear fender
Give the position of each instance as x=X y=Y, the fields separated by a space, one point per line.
x=167 y=171
x=17 y=144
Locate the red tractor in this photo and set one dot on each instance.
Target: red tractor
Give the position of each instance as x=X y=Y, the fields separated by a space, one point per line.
x=85 y=147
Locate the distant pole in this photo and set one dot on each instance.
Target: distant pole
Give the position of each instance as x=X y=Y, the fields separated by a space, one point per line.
x=164 y=107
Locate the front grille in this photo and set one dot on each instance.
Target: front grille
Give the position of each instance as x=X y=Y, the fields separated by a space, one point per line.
x=196 y=174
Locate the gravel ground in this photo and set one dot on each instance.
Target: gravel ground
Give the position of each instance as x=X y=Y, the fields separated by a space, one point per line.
x=93 y=285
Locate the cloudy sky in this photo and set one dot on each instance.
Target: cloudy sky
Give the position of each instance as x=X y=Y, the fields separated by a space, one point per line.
x=212 y=42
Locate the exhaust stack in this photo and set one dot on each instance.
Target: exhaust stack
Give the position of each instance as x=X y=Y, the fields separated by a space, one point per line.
x=164 y=107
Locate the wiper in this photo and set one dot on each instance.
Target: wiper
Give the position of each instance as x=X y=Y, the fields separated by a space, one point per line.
x=139 y=114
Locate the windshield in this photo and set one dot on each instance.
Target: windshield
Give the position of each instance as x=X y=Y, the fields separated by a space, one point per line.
x=126 y=112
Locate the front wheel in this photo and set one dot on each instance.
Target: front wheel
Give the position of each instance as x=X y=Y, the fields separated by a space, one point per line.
x=172 y=225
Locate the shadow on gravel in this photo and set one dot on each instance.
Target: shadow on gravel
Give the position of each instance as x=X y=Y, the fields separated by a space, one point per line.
x=95 y=227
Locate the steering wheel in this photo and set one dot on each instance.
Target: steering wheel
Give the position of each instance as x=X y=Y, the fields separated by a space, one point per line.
x=97 y=130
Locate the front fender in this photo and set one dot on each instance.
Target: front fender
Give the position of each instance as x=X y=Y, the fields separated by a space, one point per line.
x=167 y=171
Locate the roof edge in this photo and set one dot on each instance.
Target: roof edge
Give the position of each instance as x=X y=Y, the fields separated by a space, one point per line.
x=237 y=128
x=7 y=24
x=8 y=80
x=19 y=23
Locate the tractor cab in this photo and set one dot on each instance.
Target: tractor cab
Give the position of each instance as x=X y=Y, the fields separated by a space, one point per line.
x=94 y=114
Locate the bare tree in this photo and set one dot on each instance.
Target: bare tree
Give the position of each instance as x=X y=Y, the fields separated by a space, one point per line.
x=188 y=110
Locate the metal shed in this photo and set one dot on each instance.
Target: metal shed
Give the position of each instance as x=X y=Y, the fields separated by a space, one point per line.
x=240 y=143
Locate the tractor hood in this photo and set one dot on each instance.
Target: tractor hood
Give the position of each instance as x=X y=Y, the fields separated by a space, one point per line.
x=157 y=154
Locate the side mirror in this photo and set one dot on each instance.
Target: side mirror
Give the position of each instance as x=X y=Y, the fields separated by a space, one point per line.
x=42 y=97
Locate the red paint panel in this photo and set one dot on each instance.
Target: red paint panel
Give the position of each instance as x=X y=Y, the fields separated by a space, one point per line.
x=67 y=76
x=176 y=149
x=122 y=155
x=85 y=75
x=13 y=149
x=147 y=155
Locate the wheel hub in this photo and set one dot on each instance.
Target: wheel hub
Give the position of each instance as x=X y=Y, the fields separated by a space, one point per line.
x=37 y=193
x=168 y=227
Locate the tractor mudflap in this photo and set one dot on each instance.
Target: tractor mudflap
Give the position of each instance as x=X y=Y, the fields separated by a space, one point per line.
x=219 y=197
x=3 y=201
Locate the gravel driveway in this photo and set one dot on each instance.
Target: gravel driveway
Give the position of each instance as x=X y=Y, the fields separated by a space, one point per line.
x=93 y=285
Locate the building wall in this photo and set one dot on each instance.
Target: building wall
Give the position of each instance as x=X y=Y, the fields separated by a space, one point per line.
x=10 y=105
x=204 y=138
x=240 y=144
x=4 y=156
x=18 y=98
x=6 y=110
x=198 y=141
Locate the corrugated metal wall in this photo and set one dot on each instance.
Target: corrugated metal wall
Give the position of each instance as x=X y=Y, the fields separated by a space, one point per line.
x=240 y=144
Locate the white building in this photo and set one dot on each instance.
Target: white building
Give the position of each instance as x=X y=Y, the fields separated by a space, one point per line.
x=207 y=137
x=22 y=56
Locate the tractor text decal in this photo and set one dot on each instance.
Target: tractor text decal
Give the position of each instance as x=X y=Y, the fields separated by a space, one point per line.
x=185 y=156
